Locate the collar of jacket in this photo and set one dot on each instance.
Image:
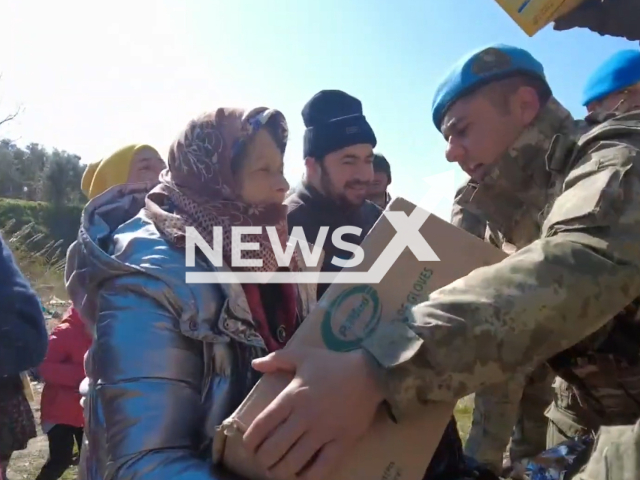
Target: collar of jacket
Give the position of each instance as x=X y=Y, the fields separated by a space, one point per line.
x=516 y=191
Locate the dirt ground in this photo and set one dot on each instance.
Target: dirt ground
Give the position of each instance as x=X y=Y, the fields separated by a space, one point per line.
x=26 y=464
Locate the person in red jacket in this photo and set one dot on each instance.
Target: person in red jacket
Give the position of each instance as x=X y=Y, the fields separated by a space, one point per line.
x=61 y=413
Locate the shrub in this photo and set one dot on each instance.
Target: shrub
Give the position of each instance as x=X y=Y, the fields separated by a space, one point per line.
x=44 y=267
x=47 y=223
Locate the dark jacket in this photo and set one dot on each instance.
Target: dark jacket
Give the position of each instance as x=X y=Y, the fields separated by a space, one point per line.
x=10 y=386
x=310 y=209
x=23 y=335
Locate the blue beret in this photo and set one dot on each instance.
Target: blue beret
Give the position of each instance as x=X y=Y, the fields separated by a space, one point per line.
x=618 y=72
x=479 y=68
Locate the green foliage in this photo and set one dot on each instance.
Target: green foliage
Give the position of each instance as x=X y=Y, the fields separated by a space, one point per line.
x=37 y=174
x=40 y=207
x=44 y=267
x=51 y=227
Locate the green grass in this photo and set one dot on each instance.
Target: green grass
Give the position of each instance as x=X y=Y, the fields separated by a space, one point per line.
x=42 y=263
x=70 y=474
x=464 y=415
x=48 y=224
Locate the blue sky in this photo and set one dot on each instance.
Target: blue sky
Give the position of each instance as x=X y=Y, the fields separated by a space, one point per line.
x=92 y=78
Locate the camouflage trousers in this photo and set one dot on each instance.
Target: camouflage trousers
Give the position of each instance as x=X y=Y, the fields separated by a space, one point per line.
x=617 y=390
x=616 y=455
x=510 y=416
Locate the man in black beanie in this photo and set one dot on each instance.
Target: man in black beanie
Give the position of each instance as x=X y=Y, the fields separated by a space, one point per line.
x=339 y=160
x=377 y=192
x=338 y=151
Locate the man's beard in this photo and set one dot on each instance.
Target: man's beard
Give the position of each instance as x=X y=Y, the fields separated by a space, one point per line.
x=340 y=197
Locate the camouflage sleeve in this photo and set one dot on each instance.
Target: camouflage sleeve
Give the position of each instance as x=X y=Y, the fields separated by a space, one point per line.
x=463 y=218
x=505 y=319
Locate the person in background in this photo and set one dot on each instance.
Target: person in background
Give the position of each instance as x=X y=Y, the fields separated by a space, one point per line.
x=338 y=152
x=23 y=345
x=23 y=333
x=60 y=410
x=17 y=425
x=136 y=164
x=568 y=199
x=615 y=84
x=339 y=160
x=172 y=360
x=377 y=191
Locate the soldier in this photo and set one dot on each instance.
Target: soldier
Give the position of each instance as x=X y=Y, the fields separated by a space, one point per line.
x=511 y=413
x=616 y=455
x=567 y=195
x=616 y=81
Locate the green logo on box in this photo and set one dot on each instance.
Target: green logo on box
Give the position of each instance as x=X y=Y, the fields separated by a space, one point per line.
x=351 y=317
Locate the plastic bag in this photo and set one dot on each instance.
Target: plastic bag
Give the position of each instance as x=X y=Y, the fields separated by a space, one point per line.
x=554 y=462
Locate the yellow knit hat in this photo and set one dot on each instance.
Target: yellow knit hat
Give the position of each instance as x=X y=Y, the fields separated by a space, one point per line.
x=87 y=177
x=108 y=172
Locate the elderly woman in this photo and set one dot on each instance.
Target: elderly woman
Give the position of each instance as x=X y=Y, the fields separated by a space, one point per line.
x=171 y=360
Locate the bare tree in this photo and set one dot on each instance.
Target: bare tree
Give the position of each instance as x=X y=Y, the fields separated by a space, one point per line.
x=11 y=116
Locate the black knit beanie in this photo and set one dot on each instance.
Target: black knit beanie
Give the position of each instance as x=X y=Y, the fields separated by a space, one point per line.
x=334 y=120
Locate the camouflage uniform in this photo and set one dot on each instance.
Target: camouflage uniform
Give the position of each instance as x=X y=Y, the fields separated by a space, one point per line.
x=616 y=455
x=510 y=410
x=551 y=301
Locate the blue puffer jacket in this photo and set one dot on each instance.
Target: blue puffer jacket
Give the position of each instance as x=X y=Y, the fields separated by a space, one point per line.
x=169 y=361
x=23 y=334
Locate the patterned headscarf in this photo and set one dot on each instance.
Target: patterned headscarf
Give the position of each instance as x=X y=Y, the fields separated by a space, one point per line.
x=199 y=189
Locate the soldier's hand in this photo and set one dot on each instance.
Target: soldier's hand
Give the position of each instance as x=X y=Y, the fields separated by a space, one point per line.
x=318 y=418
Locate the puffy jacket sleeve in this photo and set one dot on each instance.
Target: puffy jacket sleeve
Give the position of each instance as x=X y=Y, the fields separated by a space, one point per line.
x=23 y=334
x=506 y=319
x=149 y=384
x=57 y=367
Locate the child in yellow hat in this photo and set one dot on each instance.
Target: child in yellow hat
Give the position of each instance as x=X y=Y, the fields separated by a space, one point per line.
x=131 y=164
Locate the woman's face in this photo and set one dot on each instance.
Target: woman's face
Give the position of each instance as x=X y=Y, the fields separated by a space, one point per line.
x=146 y=166
x=260 y=178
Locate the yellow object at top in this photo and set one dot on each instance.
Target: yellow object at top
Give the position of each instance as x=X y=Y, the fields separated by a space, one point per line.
x=533 y=15
x=108 y=172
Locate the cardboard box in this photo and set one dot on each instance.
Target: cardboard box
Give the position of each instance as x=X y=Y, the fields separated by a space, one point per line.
x=348 y=313
x=533 y=15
